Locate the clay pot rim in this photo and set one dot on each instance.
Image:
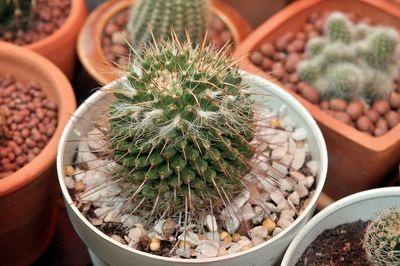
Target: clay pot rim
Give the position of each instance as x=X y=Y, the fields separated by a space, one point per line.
x=91 y=54
x=66 y=106
x=378 y=144
x=52 y=39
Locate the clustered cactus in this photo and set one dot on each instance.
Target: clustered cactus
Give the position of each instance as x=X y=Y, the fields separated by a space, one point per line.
x=180 y=129
x=382 y=238
x=351 y=61
x=155 y=18
x=14 y=14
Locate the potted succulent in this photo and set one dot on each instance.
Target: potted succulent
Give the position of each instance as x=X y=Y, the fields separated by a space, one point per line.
x=36 y=100
x=49 y=28
x=103 y=41
x=360 y=229
x=175 y=163
x=362 y=135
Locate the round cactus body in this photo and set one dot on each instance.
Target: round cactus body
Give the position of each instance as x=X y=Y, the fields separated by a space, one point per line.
x=379 y=86
x=338 y=28
x=308 y=70
x=382 y=238
x=382 y=44
x=315 y=46
x=156 y=18
x=180 y=128
x=345 y=80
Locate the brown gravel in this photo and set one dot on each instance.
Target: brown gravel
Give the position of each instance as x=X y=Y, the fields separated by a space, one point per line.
x=46 y=18
x=30 y=122
x=280 y=59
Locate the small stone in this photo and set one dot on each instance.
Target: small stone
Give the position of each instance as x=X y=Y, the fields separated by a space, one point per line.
x=364 y=124
x=236 y=237
x=312 y=167
x=69 y=170
x=277 y=196
x=258 y=231
x=290 y=213
x=372 y=115
x=241 y=245
x=309 y=93
x=256 y=58
x=284 y=222
x=381 y=106
x=169 y=227
x=297 y=176
x=136 y=233
x=355 y=109
x=79 y=186
x=117 y=238
x=222 y=252
x=283 y=205
x=208 y=248
x=394 y=100
x=257 y=241
x=308 y=182
x=392 y=118
x=299 y=159
x=337 y=104
x=299 y=134
x=69 y=182
x=277 y=231
x=247 y=212
x=269 y=225
x=279 y=152
x=294 y=197
x=155 y=244
x=286 y=185
x=302 y=190
x=119 y=37
x=211 y=223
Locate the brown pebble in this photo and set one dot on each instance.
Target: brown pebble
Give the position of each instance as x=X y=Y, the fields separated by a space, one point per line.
x=364 y=124
x=267 y=49
x=266 y=63
x=278 y=70
x=324 y=105
x=337 y=104
x=372 y=115
x=381 y=106
x=256 y=58
x=392 y=118
x=355 y=109
x=309 y=93
x=294 y=78
x=343 y=117
x=394 y=100
x=291 y=62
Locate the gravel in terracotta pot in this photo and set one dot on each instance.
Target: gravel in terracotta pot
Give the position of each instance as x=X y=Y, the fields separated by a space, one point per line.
x=36 y=101
x=47 y=27
x=102 y=46
x=362 y=136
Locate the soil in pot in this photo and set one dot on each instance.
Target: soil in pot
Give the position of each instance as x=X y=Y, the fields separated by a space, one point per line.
x=281 y=60
x=34 y=21
x=116 y=49
x=341 y=245
x=28 y=120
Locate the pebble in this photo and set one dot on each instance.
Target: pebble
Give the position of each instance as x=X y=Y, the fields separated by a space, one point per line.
x=301 y=189
x=309 y=93
x=135 y=234
x=294 y=197
x=277 y=196
x=355 y=109
x=284 y=222
x=394 y=100
x=299 y=159
x=299 y=134
x=211 y=223
x=208 y=248
x=392 y=118
x=337 y=104
x=372 y=115
x=381 y=106
x=312 y=167
x=364 y=124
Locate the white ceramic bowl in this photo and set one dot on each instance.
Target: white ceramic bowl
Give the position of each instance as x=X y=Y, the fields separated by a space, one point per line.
x=105 y=250
x=359 y=206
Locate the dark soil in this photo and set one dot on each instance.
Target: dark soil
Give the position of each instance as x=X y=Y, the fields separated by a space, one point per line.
x=341 y=245
x=44 y=20
x=117 y=52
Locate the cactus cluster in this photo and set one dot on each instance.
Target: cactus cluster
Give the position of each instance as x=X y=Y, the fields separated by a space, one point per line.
x=351 y=61
x=14 y=14
x=155 y=18
x=382 y=238
x=180 y=129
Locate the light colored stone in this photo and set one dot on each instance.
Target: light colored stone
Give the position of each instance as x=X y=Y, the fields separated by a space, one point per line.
x=280 y=138
x=69 y=182
x=277 y=231
x=278 y=152
x=241 y=245
x=286 y=185
x=213 y=235
x=222 y=252
x=247 y=212
x=284 y=222
x=281 y=168
x=135 y=234
x=288 y=213
x=189 y=237
x=312 y=166
x=97 y=141
x=308 y=182
x=208 y=248
x=294 y=197
x=257 y=241
x=113 y=216
x=283 y=205
x=297 y=175
x=101 y=212
x=120 y=37
x=299 y=134
x=211 y=223
x=117 y=238
x=299 y=159
x=301 y=189
x=291 y=146
x=277 y=196
x=158 y=227
x=258 y=215
x=286 y=122
x=258 y=231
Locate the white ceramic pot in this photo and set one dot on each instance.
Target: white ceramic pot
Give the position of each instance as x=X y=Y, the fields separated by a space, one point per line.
x=359 y=206
x=105 y=250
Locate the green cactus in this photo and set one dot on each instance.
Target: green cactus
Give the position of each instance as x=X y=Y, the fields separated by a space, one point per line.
x=180 y=128
x=338 y=28
x=315 y=46
x=382 y=44
x=356 y=61
x=14 y=14
x=156 y=18
x=344 y=80
x=382 y=238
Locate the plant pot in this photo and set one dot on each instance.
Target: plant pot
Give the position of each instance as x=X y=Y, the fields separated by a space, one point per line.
x=357 y=160
x=27 y=197
x=89 y=44
x=59 y=47
x=105 y=250
x=360 y=206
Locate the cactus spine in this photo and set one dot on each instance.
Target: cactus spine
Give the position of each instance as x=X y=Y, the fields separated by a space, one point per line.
x=351 y=61
x=156 y=18
x=382 y=238
x=180 y=129
x=14 y=14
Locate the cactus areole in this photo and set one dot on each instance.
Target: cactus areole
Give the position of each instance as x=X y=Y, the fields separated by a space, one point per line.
x=154 y=19
x=180 y=129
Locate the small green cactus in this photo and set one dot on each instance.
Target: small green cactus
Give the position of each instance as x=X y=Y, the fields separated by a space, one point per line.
x=14 y=14
x=180 y=128
x=351 y=61
x=156 y=18
x=382 y=238
x=338 y=28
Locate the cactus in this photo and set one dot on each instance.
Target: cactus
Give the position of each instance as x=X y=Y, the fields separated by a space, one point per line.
x=338 y=28
x=156 y=18
x=351 y=61
x=382 y=238
x=180 y=128
x=14 y=14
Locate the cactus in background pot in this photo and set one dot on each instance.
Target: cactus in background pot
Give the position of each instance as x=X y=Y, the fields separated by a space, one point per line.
x=180 y=129
x=382 y=238
x=351 y=61
x=15 y=14
x=155 y=18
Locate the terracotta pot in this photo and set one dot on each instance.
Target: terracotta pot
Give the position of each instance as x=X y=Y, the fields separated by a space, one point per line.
x=27 y=197
x=357 y=161
x=89 y=45
x=59 y=47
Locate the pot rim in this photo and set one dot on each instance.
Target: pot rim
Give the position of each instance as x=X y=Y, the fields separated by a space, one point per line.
x=65 y=107
x=53 y=39
x=89 y=45
x=377 y=144
x=293 y=103
x=334 y=207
